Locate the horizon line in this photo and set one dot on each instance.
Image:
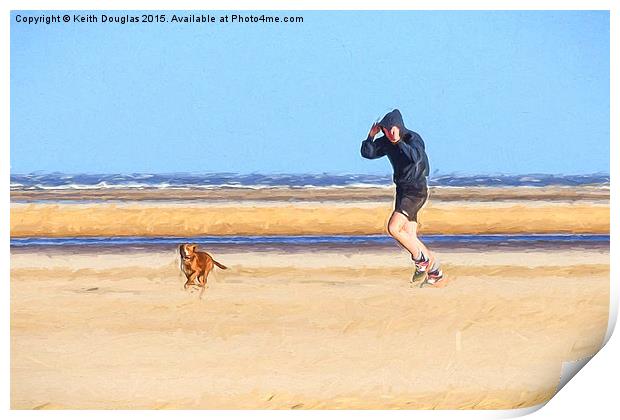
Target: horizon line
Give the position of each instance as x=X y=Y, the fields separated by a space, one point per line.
x=456 y=173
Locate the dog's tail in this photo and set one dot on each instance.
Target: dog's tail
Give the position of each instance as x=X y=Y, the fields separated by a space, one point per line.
x=222 y=266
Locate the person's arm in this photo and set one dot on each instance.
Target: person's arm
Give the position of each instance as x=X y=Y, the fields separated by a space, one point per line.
x=416 y=153
x=373 y=149
x=410 y=151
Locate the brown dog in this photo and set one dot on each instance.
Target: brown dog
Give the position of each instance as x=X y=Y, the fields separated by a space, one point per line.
x=196 y=265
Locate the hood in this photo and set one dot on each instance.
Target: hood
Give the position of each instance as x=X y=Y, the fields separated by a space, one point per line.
x=393 y=118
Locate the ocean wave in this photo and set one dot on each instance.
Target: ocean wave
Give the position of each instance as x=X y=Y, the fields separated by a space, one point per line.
x=61 y=181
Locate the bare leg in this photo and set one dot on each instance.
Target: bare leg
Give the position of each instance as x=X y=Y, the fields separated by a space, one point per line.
x=433 y=264
x=397 y=228
x=412 y=230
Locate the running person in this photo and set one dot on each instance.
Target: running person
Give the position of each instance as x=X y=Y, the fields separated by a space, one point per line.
x=405 y=150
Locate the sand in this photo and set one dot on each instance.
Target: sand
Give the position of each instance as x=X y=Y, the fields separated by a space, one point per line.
x=300 y=327
x=304 y=211
x=314 y=328
x=197 y=219
x=322 y=194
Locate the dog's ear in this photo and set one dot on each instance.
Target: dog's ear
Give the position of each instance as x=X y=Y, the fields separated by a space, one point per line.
x=181 y=251
x=194 y=247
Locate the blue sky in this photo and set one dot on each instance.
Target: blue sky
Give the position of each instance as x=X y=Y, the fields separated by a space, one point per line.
x=489 y=92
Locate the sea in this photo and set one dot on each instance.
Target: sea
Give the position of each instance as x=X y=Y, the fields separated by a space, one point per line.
x=57 y=180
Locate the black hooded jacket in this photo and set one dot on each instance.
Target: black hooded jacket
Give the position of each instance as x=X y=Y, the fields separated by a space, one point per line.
x=408 y=157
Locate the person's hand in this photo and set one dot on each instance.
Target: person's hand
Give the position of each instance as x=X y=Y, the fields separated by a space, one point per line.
x=374 y=130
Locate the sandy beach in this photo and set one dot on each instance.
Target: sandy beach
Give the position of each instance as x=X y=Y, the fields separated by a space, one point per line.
x=326 y=194
x=281 y=211
x=314 y=328
x=306 y=325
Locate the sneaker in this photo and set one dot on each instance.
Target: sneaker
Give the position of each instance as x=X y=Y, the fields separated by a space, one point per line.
x=423 y=265
x=435 y=278
x=418 y=275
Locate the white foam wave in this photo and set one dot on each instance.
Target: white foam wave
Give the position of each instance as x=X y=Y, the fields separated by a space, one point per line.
x=105 y=186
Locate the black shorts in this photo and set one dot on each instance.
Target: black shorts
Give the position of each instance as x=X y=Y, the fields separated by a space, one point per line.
x=409 y=200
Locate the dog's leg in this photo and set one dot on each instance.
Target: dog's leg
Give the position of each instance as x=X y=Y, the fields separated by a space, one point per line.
x=203 y=283
x=200 y=280
x=191 y=280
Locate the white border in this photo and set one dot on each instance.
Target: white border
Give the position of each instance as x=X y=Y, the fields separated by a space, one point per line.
x=590 y=394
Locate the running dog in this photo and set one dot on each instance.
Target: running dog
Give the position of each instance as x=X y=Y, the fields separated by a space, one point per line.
x=196 y=265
